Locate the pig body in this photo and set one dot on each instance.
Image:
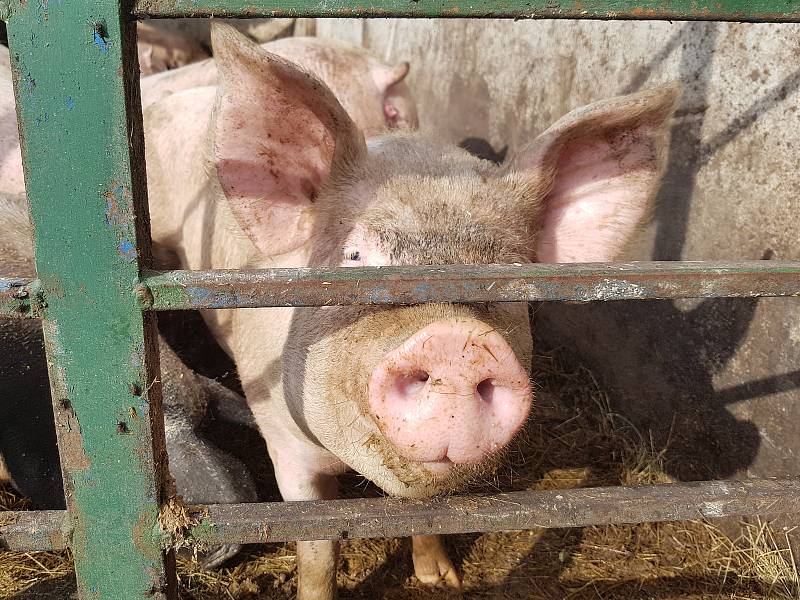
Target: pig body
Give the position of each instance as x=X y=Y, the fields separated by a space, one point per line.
x=157 y=50
x=11 y=177
x=269 y=170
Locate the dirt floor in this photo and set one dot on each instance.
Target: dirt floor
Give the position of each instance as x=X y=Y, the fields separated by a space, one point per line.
x=573 y=440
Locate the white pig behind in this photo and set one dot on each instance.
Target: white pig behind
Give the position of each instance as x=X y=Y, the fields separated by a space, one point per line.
x=372 y=92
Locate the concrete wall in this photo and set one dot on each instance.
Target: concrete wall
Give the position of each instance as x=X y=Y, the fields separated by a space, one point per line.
x=718 y=380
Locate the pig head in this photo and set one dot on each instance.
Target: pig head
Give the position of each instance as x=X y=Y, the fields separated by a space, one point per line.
x=269 y=170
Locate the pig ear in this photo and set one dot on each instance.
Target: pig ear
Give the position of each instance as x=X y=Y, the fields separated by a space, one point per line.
x=602 y=165
x=385 y=76
x=397 y=112
x=278 y=135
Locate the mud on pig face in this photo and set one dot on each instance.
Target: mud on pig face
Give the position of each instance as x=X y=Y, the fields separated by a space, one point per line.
x=420 y=399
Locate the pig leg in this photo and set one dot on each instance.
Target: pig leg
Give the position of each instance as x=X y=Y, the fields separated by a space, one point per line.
x=301 y=475
x=432 y=565
x=317 y=563
x=318 y=560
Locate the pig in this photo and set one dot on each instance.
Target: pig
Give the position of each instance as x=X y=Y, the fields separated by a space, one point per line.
x=163 y=50
x=267 y=169
x=202 y=473
x=12 y=182
x=372 y=91
x=483 y=149
x=379 y=100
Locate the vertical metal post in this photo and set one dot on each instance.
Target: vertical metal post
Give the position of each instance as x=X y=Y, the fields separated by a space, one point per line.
x=77 y=90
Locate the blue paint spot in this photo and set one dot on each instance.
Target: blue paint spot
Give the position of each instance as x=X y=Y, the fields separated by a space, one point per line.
x=70 y=103
x=5 y=286
x=198 y=295
x=203 y=297
x=379 y=295
x=101 y=42
x=118 y=191
x=421 y=293
x=127 y=250
x=111 y=213
x=30 y=84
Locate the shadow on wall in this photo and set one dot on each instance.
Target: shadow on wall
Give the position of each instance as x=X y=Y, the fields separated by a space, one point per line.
x=659 y=359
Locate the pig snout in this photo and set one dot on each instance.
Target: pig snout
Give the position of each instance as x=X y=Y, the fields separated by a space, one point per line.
x=453 y=392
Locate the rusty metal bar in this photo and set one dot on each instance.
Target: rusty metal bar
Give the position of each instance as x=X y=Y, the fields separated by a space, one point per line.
x=176 y=290
x=672 y=10
x=586 y=282
x=389 y=517
x=34 y=530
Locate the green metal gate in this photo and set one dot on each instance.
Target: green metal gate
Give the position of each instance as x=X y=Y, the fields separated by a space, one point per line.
x=76 y=83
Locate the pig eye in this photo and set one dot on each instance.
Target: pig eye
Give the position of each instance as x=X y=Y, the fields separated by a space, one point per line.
x=354 y=255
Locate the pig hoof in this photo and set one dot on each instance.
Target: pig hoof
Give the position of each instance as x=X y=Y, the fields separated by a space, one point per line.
x=440 y=573
x=433 y=567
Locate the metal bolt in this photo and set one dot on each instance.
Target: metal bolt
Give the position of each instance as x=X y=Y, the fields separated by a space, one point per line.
x=144 y=296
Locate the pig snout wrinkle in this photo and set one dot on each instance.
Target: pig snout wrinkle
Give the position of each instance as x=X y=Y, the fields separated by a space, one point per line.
x=454 y=392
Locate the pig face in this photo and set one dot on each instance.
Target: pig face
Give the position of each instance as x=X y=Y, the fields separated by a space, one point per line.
x=422 y=398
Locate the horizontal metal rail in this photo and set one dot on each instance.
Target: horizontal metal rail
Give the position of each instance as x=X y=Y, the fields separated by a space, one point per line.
x=468 y=283
x=34 y=530
x=672 y=10
x=580 y=282
x=391 y=517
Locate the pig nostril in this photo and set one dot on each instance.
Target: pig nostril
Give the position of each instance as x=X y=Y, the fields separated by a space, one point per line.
x=486 y=390
x=409 y=386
